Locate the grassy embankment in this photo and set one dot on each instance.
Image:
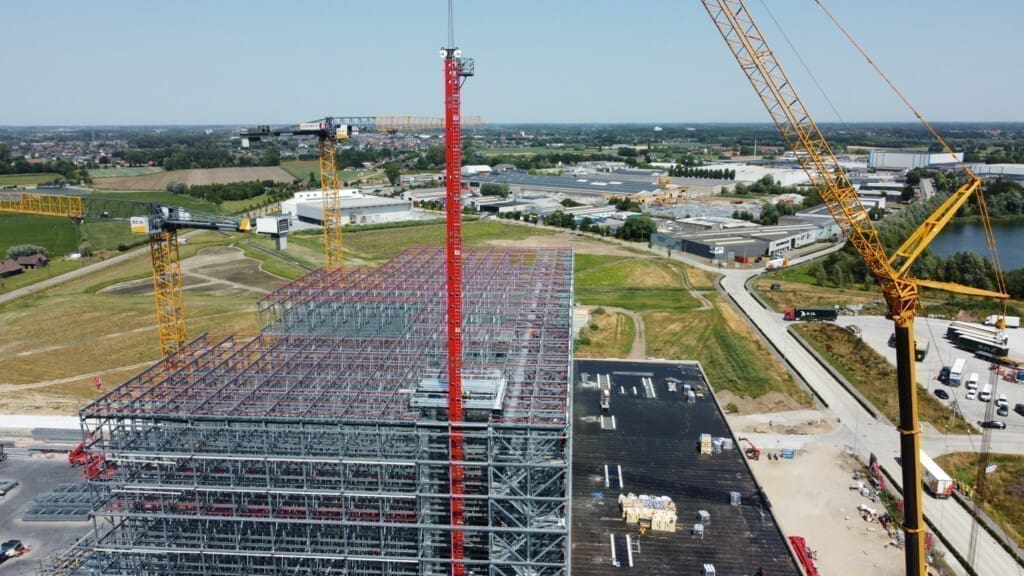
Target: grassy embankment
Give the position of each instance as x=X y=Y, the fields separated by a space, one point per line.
x=1003 y=500
x=118 y=171
x=678 y=327
x=57 y=339
x=27 y=179
x=874 y=376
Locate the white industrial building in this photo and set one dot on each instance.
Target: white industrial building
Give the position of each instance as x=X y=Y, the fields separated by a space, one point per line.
x=1004 y=171
x=356 y=208
x=750 y=173
x=888 y=160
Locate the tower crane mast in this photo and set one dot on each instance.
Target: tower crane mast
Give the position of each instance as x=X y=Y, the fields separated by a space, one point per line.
x=160 y=223
x=328 y=131
x=744 y=39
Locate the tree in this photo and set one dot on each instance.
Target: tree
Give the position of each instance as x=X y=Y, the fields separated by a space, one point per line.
x=637 y=228
x=26 y=250
x=907 y=194
x=494 y=189
x=820 y=276
x=393 y=172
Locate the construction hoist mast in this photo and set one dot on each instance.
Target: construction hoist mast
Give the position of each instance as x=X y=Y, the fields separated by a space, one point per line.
x=900 y=289
x=456 y=70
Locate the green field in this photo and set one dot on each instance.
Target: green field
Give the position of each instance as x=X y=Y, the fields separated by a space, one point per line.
x=27 y=179
x=609 y=335
x=164 y=198
x=1004 y=488
x=60 y=235
x=301 y=168
x=124 y=171
x=676 y=327
x=873 y=375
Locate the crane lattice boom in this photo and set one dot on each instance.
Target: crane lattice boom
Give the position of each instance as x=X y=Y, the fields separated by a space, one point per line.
x=801 y=133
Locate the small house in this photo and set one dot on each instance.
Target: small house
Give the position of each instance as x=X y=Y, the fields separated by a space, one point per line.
x=33 y=261
x=10 y=268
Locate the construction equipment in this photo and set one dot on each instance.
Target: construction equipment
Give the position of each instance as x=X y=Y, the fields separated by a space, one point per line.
x=456 y=70
x=160 y=223
x=744 y=39
x=328 y=131
x=753 y=452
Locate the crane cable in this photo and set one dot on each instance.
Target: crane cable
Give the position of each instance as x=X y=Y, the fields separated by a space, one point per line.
x=804 y=64
x=982 y=206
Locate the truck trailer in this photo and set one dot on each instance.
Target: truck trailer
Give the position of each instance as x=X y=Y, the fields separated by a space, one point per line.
x=956 y=373
x=811 y=314
x=1008 y=321
x=935 y=479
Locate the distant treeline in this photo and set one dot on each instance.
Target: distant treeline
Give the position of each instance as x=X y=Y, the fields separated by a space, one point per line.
x=695 y=172
x=220 y=193
x=68 y=170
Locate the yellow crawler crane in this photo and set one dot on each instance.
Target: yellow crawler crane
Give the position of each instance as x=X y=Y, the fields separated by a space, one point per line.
x=892 y=272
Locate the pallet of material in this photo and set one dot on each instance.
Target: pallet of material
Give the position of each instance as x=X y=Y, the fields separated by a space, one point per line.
x=658 y=511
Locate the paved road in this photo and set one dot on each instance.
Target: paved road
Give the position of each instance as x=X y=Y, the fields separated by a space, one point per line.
x=866 y=435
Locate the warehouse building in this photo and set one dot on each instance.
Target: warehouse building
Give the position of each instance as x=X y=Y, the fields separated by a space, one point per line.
x=890 y=160
x=356 y=208
x=739 y=243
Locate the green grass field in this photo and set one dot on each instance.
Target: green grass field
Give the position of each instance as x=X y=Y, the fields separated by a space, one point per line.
x=873 y=375
x=638 y=284
x=1004 y=489
x=301 y=168
x=27 y=179
x=609 y=335
x=165 y=198
x=124 y=171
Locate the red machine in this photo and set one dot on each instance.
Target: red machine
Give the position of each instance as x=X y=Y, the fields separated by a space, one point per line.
x=753 y=452
x=804 y=554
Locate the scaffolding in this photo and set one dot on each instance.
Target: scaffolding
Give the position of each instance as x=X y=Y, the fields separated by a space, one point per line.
x=321 y=446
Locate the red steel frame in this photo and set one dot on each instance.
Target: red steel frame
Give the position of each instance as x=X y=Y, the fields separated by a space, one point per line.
x=453 y=208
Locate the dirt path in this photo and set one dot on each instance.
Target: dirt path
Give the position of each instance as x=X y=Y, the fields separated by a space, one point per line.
x=639 y=348
x=705 y=304
x=75 y=378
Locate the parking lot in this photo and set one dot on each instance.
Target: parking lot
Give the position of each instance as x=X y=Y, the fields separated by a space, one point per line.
x=37 y=474
x=876 y=330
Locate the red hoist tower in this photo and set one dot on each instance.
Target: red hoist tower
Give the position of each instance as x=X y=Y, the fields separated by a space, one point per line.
x=456 y=70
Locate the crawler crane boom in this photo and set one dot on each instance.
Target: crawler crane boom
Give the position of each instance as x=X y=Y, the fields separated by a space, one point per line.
x=900 y=289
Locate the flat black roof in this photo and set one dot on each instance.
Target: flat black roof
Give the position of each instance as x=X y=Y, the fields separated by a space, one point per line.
x=656 y=441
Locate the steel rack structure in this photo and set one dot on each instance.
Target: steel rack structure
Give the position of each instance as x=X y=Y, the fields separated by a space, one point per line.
x=321 y=446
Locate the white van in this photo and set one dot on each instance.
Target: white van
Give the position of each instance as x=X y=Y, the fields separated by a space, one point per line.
x=972 y=381
x=986 y=393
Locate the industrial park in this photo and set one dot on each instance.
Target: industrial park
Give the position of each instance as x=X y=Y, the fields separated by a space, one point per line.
x=444 y=345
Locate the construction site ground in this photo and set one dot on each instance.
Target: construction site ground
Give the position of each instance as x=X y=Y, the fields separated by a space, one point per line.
x=37 y=474
x=811 y=493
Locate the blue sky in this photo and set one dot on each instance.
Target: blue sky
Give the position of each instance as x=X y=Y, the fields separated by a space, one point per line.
x=246 y=61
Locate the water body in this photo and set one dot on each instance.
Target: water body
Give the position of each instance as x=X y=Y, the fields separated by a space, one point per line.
x=970 y=237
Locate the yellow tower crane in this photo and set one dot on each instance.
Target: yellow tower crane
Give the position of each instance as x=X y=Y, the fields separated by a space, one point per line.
x=160 y=223
x=743 y=37
x=328 y=131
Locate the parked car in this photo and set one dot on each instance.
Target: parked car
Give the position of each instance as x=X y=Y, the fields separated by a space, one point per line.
x=942 y=394
x=996 y=424
x=1003 y=411
x=971 y=394
x=11 y=549
x=944 y=375
x=1019 y=409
